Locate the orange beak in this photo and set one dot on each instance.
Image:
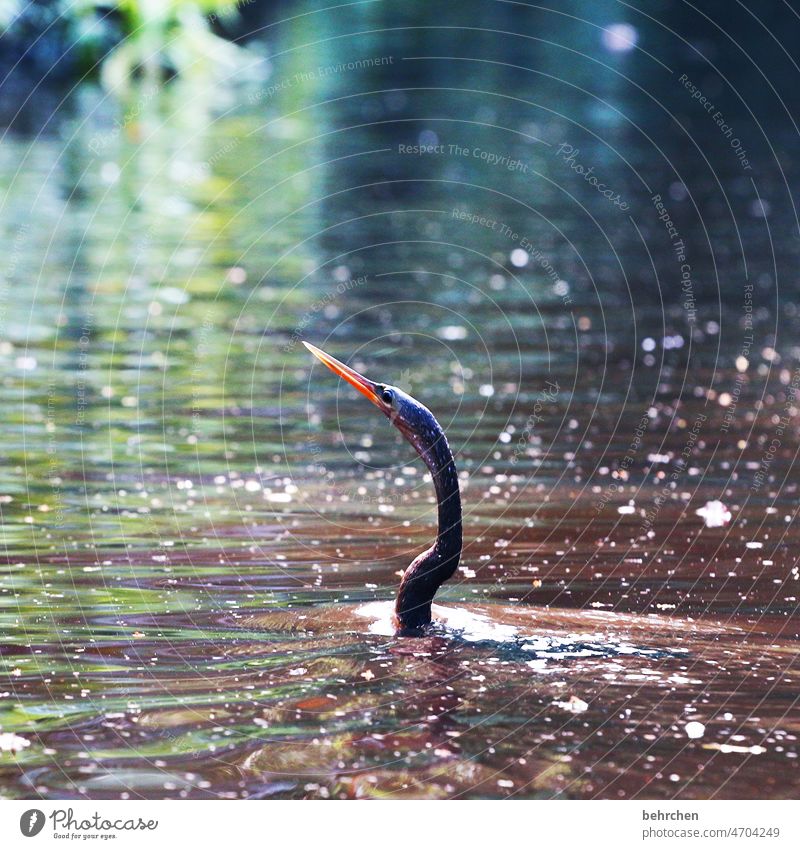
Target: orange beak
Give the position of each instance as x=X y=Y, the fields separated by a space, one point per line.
x=364 y=386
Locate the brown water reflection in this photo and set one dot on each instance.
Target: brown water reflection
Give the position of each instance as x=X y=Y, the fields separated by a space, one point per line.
x=303 y=699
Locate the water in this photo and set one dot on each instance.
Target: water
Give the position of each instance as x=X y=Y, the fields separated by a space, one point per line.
x=202 y=530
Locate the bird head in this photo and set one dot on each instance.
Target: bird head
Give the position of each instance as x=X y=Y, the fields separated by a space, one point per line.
x=403 y=411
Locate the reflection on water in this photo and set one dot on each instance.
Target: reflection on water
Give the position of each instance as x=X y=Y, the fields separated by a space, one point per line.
x=199 y=542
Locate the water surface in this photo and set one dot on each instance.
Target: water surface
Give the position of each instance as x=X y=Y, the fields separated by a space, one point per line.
x=198 y=523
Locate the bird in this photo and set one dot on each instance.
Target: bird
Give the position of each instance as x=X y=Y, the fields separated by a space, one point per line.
x=427 y=572
x=538 y=634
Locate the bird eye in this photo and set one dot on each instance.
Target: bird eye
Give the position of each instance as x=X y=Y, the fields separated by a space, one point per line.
x=387 y=395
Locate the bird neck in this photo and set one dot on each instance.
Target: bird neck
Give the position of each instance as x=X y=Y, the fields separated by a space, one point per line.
x=445 y=481
x=433 y=567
